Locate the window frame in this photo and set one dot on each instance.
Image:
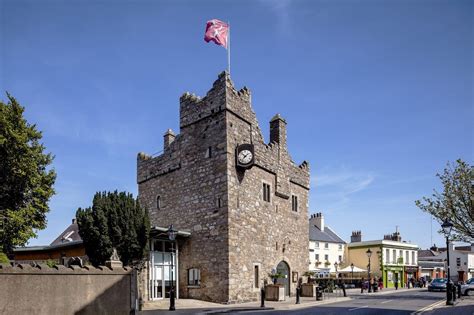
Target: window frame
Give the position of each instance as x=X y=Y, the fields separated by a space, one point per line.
x=194 y=271
x=266 y=193
x=294 y=203
x=158 y=202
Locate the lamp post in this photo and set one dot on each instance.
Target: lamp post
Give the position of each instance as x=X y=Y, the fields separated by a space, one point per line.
x=172 y=237
x=352 y=272
x=447 y=226
x=369 y=253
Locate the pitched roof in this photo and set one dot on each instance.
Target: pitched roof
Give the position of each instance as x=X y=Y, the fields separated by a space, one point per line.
x=70 y=234
x=427 y=253
x=328 y=235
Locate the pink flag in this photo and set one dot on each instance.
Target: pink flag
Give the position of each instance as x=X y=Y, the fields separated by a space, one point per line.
x=217 y=31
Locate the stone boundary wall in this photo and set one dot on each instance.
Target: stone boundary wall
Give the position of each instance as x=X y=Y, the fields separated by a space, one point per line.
x=40 y=289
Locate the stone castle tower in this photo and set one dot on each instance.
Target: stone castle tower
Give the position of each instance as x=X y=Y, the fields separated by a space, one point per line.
x=242 y=222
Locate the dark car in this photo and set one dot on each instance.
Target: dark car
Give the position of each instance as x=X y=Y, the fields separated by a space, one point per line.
x=438 y=284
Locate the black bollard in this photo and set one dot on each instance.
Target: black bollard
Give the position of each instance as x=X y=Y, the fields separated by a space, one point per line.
x=459 y=290
x=262 y=297
x=298 y=295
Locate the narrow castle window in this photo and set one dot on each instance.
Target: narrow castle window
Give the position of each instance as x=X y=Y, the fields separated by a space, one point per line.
x=219 y=202
x=294 y=203
x=158 y=203
x=209 y=152
x=256 y=277
x=266 y=192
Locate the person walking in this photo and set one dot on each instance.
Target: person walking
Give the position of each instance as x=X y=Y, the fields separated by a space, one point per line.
x=362 y=286
x=380 y=284
x=396 y=284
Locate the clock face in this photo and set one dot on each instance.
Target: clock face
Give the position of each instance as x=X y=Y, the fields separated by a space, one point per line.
x=245 y=156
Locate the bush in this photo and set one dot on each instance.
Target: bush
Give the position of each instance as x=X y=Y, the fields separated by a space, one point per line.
x=4 y=259
x=51 y=263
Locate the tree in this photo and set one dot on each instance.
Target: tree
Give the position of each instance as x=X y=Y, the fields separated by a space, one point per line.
x=115 y=220
x=26 y=180
x=455 y=202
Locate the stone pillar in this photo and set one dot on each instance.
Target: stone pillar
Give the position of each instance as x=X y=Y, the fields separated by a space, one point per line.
x=278 y=130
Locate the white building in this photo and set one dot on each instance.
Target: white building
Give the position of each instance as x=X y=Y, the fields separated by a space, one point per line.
x=461 y=261
x=325 y=247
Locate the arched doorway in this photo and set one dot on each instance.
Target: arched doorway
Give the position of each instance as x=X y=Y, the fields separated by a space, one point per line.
x=284 y=269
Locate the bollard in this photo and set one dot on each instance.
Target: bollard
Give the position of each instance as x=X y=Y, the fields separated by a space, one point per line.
x=454 y=289
x=298 y=295
x=262 y=297
x=459 y=290
x=172 y=304
x=319 y=294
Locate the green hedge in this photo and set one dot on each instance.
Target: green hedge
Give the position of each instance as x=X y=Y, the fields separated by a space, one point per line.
x=4 y=259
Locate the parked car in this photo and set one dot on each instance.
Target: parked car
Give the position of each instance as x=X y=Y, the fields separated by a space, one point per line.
x=438 y=284
x=468 y=288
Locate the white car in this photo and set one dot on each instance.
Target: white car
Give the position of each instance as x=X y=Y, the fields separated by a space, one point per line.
x=468 y=288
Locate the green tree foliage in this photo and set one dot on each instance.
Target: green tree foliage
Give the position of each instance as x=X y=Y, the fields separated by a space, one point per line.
x=26 y=182
x=456 y=202
x=115 y=220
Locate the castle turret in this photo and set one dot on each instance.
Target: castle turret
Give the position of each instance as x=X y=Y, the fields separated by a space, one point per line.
x=169 y=137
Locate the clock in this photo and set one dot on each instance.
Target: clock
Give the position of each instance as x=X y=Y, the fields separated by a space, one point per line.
x=244 y=155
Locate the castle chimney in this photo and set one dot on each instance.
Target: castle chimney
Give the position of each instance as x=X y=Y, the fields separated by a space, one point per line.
x=74 y=221
x=434 y=248
x=168 y=138
x=356 y=236
x=278 y=130
x=318 y=220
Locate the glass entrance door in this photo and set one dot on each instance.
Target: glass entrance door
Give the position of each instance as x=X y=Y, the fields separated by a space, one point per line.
x=162 y=271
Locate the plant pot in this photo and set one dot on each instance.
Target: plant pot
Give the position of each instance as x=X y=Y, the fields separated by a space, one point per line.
x=308 y=290
x=274 y=292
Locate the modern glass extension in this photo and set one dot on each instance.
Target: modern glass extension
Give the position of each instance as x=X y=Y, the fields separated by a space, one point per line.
x=163 y=269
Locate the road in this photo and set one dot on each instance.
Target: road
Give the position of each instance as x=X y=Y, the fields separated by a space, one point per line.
x=388 y=304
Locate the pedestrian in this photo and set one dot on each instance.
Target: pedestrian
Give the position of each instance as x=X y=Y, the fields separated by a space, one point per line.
x=362 y=286
x=423 y=279
x=413 y=282
x=380 y=284
x=396 y=284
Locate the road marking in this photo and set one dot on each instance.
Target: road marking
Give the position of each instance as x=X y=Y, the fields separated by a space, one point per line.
x=429 y=307
x=356 y=308
x=383 y=302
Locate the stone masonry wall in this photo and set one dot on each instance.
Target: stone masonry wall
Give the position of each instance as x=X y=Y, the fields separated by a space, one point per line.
x=262 y=233
x=190 y=185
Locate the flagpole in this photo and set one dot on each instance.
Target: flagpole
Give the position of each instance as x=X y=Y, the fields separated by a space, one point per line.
x=228 y=49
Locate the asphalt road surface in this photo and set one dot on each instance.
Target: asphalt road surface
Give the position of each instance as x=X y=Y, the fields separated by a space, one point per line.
x=415 y=302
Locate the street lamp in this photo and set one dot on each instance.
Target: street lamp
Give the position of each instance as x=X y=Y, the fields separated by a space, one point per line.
x=447 y=226
x=352 y=272
x=172 y=237
x=369 y=253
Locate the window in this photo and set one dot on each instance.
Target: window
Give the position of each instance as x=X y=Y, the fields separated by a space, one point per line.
x=394 y=252
x=340 y=246
x=326 y=257
x=387 y=256
x=158 y=202
x=316 y=256
x=340 y=258
x=219 y=202
x=266 y=192
x=407 y=257
x=255 y=276
x=326 y=245
x=294 y=203
x=194 y=276
x=316 y=244
x=413 y=262
x=458 y=262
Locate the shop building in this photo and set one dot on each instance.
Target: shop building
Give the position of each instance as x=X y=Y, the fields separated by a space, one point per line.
x=239 y=204
x=393 y=260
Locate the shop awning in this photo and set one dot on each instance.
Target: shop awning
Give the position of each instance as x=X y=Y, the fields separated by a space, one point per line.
x=348 y=269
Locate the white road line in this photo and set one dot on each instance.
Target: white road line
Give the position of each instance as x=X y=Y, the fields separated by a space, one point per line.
x=429 y=307
x=356 y=308
x=383 y=302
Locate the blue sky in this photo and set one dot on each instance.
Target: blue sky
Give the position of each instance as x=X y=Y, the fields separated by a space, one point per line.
x=378 y=95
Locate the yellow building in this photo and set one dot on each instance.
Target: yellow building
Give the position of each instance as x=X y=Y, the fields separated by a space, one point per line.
x=393 y=260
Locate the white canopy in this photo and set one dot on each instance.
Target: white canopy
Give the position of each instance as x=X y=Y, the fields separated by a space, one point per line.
x=348 y=269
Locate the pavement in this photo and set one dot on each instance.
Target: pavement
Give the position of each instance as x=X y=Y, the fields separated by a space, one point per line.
x=190 y=306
